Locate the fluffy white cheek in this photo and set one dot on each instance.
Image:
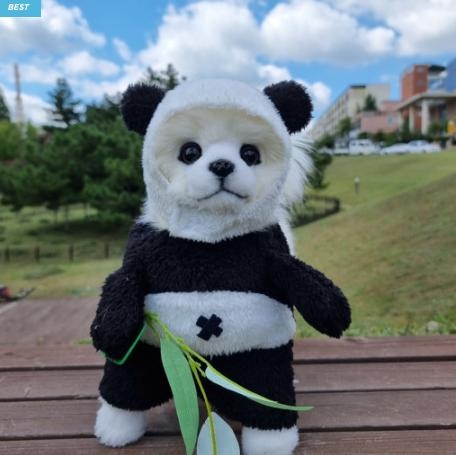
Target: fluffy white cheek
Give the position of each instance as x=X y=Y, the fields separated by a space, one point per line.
x=242 y=180
x=265 y=176
x=200 y=181
x=177 y=184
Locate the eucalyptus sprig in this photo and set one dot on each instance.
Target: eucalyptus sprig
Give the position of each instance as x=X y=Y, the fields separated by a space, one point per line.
x=180 y=363
x=195 y=362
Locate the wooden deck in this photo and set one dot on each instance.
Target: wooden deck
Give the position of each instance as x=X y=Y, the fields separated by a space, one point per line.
x=371 y=396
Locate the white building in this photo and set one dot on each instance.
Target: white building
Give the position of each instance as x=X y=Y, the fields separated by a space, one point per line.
x=348 y=104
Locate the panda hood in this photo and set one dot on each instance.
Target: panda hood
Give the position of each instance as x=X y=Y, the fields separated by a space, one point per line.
x=285 y=108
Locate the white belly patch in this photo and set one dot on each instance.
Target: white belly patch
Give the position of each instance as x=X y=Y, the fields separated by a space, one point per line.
x=222 y=322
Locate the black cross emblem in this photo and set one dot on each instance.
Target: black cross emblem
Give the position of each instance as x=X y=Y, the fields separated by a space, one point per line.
x=209 y=327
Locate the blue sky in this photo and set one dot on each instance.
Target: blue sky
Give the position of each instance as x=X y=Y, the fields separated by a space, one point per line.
x=102 y=46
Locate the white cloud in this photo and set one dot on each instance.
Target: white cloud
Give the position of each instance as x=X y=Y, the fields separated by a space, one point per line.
x=269 y=74
x=422 y=26
x=35 y=109
x=312 y=31
x=320 y=92
x=122 y=49
x=59 y=29
x=83 y=62
x=206 y=39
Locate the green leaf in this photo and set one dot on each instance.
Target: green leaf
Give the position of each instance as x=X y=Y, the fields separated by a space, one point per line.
x=218 y=378
x=227 y=443
x=183 y=387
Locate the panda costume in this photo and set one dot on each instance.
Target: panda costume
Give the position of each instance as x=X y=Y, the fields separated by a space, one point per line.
x=210 y=257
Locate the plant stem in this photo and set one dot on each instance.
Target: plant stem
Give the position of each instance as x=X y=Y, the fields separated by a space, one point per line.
x=206 y=402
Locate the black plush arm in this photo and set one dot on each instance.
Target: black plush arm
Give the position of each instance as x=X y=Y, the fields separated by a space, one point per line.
x=321 y=303
x=120 y=313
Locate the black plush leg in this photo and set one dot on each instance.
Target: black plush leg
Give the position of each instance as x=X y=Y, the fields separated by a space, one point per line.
x=137 y=385
x=268 y=372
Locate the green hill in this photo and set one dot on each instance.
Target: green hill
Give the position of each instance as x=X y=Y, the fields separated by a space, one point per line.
x=393 y=247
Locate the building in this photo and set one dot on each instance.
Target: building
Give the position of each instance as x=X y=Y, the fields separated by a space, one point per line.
x=419 y=79
x=386 y=119
x=348 y=104
x=428 y=95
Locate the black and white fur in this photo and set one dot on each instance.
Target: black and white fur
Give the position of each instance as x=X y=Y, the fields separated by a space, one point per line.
x=210 y=257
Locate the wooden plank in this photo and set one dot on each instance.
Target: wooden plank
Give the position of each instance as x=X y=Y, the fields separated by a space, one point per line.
x=347 y=411
x=423 y=442
x=61 y=384
x=40 y=321
x=374 y=376
x=319 y=350
x=49 y=384
x=44 y=357
x=310 y=350
x=418 y=442
x=67 y=418
x=160 y=445
x=380 y=410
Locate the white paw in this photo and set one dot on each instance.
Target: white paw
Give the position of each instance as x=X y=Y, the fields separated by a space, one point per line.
x=269 y=442
x=117 y=427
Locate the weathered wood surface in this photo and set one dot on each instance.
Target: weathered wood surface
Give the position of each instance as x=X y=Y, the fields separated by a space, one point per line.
x=371 y=396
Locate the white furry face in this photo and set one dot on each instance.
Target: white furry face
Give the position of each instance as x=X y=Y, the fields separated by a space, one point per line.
x=221 y=172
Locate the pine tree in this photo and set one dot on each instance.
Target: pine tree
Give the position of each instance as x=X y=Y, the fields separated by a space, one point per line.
x=4 y=111
x=370 y=103
x=65 y=107
x=166 y=79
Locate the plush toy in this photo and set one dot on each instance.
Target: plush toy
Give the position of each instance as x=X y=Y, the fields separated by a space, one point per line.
x=210 y=258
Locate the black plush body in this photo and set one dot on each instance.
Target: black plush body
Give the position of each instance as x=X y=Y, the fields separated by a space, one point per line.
x=258 y=262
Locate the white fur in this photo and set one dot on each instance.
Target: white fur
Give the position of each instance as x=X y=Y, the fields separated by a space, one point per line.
x=269 y=442
x=249 y=320
x=293 y=189
x=300 y=168
x=221 y=116
x=116 y=427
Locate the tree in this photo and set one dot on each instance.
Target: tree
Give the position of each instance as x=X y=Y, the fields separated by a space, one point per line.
x=4 y=111
x=344 y=127
x=116 y=186
x=325 y=141
x=106 y=111
x=11 y=142
x=321 y=161
x=65 y=107
x=166 y=79
x=370 y=103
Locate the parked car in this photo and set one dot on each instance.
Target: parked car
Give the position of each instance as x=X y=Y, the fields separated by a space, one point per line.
x=416 y=146
x=423 y=146
x=401 y=147
x=362 y=147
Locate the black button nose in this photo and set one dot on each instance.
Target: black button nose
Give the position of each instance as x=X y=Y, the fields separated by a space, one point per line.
x=221 y=168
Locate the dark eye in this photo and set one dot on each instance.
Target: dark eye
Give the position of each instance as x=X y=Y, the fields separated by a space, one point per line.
x=189 y=152
x=250 y=154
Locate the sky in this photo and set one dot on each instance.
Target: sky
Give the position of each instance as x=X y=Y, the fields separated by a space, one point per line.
x=101 y=46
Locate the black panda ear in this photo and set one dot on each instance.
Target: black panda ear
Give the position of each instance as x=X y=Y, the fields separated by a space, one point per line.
x=138 y=105
x=293 y=103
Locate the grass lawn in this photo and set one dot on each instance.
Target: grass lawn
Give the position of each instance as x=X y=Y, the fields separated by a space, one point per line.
x=391 y=249
x=55 y=275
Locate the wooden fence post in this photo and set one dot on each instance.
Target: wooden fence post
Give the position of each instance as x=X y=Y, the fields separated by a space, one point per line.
x=37 y=254
x=106 y=250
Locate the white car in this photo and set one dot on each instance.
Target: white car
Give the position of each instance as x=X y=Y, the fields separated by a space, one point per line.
x=396 y=148
x=423 y=146
x=362 y=147
x=416 y=146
